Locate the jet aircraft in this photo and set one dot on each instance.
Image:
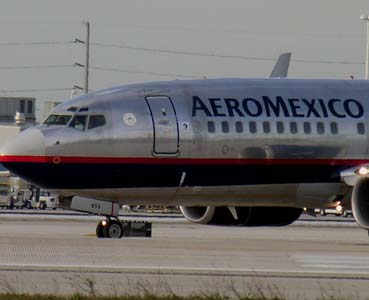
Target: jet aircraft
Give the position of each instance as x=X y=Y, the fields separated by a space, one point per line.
x=247 y=152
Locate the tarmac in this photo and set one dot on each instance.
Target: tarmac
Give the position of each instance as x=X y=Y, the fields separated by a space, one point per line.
x=59 y=254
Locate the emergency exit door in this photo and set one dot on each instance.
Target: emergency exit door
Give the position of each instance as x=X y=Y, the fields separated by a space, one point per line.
x=165 y=125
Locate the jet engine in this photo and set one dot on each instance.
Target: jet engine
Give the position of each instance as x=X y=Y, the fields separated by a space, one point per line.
x=360 y=202
x=243 y=216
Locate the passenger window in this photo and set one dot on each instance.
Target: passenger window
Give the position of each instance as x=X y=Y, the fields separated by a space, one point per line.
x=79 y=122
x=211 y=127
x=280 y=127
x=96 y=121
x=360 y=128
x=266 y=127
x=225 y=127
x=293 y=127
x=320 y=128
x=252 y=127
x=239 y=127
x=307 y=127
x=334 y=128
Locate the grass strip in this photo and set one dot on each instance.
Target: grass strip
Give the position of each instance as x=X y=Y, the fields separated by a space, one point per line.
x=77 y=296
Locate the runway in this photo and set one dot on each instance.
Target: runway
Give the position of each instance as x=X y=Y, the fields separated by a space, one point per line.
x=60 y=254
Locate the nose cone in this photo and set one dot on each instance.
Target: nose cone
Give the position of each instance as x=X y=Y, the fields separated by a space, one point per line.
x=24 y=156
x=25 y=146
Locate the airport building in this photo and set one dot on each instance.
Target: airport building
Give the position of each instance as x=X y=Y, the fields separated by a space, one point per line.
x=10 y=106
x=16 y=115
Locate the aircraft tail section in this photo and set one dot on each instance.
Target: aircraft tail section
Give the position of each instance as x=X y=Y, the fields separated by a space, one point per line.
x=280 y=69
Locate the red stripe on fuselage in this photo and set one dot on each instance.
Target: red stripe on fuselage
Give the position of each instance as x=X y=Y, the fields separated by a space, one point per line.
x=177 y=161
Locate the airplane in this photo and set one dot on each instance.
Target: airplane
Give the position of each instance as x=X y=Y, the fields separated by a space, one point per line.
x=247 y=152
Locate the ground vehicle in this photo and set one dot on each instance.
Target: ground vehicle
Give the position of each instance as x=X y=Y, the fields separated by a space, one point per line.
x=47 y=200
x=18 y=198
x=326 y=211
x=14 y=191
x=41 y=199
x=5 y=195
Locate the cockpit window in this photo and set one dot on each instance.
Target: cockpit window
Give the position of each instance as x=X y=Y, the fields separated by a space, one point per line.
x=96 y=121
x=83 y=109
x=57 y=120
x=79 y=122
x=73 y=108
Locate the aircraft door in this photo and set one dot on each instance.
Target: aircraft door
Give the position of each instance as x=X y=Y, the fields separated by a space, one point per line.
x=165 y=125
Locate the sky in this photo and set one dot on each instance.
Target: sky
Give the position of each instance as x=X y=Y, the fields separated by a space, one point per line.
x=146 y=40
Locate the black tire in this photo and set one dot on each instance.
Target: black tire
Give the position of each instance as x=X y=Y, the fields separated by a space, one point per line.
x=100 y=230
x=43 y=205
x=28 y=205
x=113 y=229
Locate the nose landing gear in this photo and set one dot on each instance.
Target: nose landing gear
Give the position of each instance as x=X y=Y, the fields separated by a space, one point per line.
x=109 y=228
x=116 y=229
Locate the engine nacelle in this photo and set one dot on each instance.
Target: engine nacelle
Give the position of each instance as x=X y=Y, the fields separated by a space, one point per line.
x=360 y=202
x=243 y=216
x=198 y=214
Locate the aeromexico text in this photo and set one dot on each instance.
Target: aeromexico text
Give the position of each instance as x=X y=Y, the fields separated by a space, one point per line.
x=277 y=107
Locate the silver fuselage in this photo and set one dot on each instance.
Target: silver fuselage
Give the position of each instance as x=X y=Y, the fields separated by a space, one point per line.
x=235 y=142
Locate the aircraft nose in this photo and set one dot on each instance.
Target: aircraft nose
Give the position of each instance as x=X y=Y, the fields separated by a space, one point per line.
x=30 y=143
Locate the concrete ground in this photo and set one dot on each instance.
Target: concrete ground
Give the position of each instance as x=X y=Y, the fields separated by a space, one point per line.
x=60 y=254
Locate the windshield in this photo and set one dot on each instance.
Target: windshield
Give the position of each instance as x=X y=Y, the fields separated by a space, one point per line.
x=83 y=122
x=57 y=120
x=79 y=122
x=96 y=121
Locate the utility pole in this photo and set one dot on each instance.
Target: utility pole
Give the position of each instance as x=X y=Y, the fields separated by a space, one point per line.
x=366 y=18
x=87 y=61
x=87 y=65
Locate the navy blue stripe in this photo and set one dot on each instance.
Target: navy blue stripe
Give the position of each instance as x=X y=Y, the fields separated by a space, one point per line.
x=95 y=176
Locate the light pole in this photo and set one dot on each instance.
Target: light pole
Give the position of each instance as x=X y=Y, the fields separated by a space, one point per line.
x=366 y=18
x=74 y=90
x=87 y=64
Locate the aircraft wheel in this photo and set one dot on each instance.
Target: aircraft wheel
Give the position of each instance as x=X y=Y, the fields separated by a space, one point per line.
x=100 y=230
x=113 y=229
